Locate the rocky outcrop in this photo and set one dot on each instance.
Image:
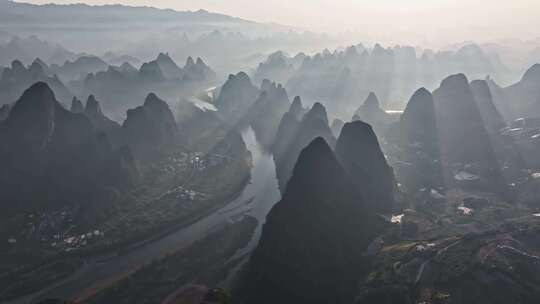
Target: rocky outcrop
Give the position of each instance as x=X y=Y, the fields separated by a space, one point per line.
x=236 y=97
x=418 y=143
x=76 y=106
x=150 y=130
x=491 y=117
x=523 y=96
x=297 y=109
x=287 y=128
x=265 y=115
x=359 y=153
x=197 y=71
x=151 y=71
x=53 y=156
x=372 y=113
x=17 y=78
x=101 y=122
x=464 y=140
x=500 y=100
x=276 y=67
x=313 y=124
x=79 y=68
x=311 y=246
x=168 y=67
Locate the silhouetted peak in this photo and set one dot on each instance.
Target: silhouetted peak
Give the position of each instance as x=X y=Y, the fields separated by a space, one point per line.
x=127 y=67
x=454 y=82
x=151 y=70
x=357 y=132
x=351 y=51
x=318 y=111
x=16 y=66
x=190 y=61
x=39 y=89
x=276 y=56
x=164 y=57
x=267 y=85
x=40 y=62
x=296 y=107
x=361 y=156
x=36 y=68
x=532 y=74
x=92 y=106
x=420 y=99
x=481 y=87
x=311 y=158
x=200 y=62
x=240 y=77
x=76 y=105
x=421 y=94
x=152 y=100
x=493 y=120
x=372 y=101
x=297 y=102
x=36 y=105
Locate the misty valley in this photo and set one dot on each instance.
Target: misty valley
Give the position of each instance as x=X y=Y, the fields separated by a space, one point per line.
x=153 y=155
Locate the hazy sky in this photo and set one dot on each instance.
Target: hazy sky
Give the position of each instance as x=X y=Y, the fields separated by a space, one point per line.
x=456 y=20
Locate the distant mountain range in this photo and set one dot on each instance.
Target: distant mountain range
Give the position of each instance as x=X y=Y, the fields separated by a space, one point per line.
x=114 y=24
x=138 y=33
x=20 y=13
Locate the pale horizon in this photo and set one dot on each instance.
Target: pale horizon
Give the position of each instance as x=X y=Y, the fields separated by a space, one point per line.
x=389 y=21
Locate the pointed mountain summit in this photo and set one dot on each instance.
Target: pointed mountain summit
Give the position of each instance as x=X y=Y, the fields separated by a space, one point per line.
x=168 y=67
x=372 y=113
x=200 y=62
x=189 y=62
x=358 y=150
x=99 y=120
x=317 y=112
x=493 y=120
x=17 y=78
x=33 y=115
x=127 y=68
x=532 y=75
x=42 y=141
x=76 y=105
x=197 y=71
x=151 y=128
x=523 y=97
x=287 y=128
x=297 y=109
x=418 y=122
x=506 y=150
x=311 y=245
x=500 y=99
x=418 y=141
x=463 y=137
x=151 y=71
x=265 y=115
x=39 y=127
x=236 y=97
x=371 y=102
x=314 y=124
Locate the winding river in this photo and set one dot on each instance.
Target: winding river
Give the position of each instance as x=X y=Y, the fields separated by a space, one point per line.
x=256 y=199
